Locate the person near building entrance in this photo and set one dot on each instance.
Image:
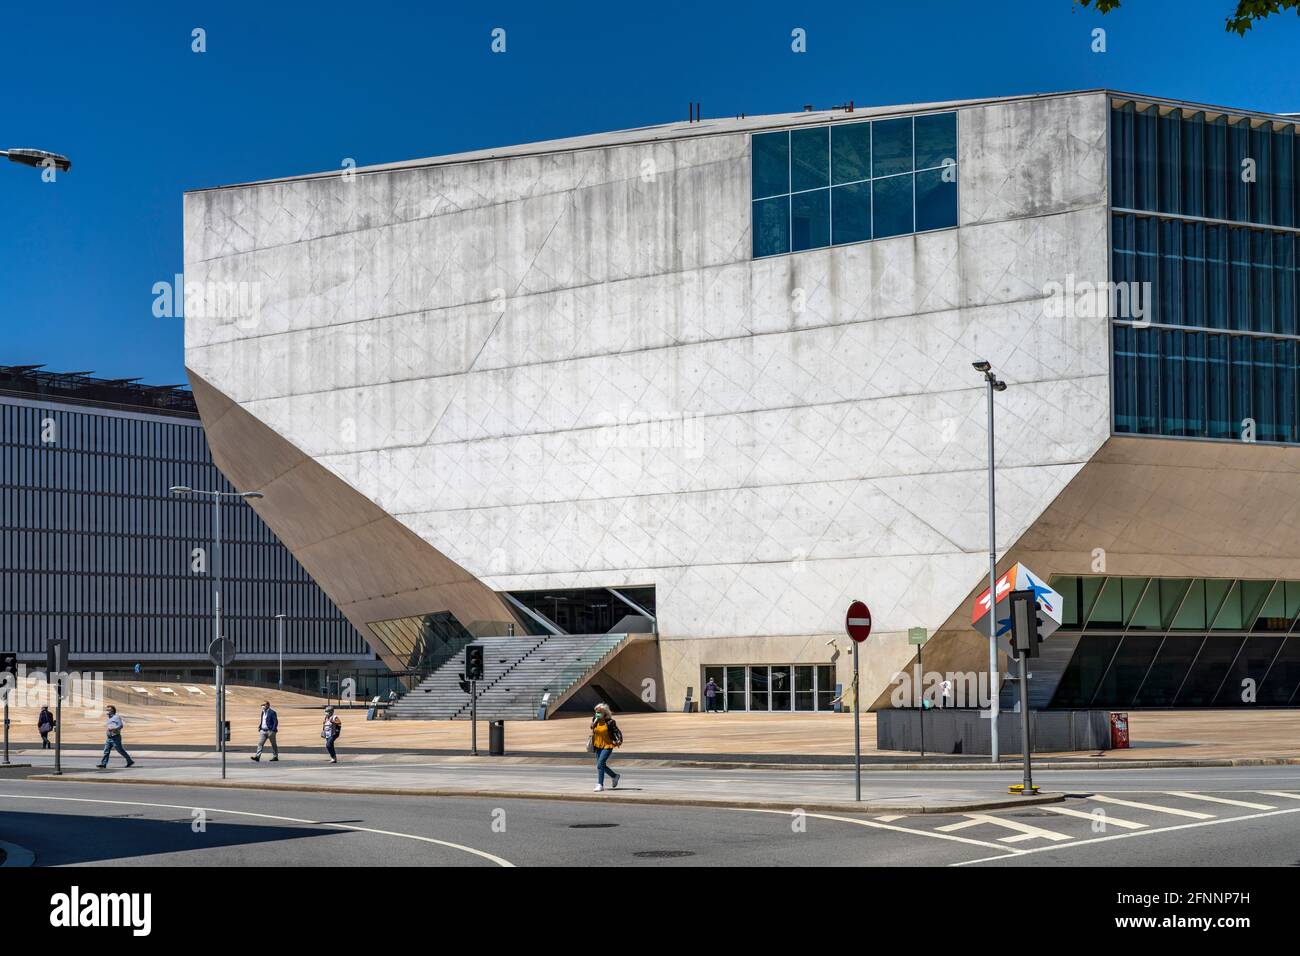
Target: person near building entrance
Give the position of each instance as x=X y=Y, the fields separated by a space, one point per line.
x=113 y=726
x=266 y=730
x=711 y=696
x=605 y=736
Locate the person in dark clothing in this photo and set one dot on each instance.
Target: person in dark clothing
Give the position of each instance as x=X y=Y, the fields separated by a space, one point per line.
x=330 y=732
x=44 y=725
x=113 y=726
x=267 y=726
x=711 y=695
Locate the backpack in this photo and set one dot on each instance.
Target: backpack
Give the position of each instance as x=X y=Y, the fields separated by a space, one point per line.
x=338 y=728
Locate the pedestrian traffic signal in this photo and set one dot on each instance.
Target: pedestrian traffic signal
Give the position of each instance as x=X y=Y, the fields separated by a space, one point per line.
x=1026 y=623
x=474 y=662
x=9 y=664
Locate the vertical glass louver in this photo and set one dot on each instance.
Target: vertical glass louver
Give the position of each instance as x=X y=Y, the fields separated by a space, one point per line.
x=1204 y=236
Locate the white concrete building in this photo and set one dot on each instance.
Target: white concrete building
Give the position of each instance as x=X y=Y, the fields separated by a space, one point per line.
x=643 y=360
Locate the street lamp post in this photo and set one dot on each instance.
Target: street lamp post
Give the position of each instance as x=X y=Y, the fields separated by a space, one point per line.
x=279 y=624
x=217 y=496
x=38 y=158
x=994 y=385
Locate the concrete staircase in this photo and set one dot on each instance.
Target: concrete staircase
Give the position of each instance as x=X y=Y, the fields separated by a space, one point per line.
x=517 y=672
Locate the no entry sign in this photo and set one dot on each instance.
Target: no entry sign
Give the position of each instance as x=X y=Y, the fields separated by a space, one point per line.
x=858 y=622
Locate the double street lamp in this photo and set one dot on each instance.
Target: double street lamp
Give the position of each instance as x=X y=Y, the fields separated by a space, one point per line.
x=215 y=565
x=994 y=384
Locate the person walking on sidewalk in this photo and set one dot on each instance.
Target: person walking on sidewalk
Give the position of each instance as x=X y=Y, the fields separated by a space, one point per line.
x=711 y=696
x=114 y=726
x=266 y=728
x=605 y=736
x=330 y=732
x=45 y=724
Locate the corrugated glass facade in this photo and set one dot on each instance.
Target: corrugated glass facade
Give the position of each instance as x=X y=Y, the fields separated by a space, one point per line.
x=1178 y=642
x=93 y=547
x=1204 y=236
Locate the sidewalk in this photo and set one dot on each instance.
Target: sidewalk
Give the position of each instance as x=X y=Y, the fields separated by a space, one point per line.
x=814 y=791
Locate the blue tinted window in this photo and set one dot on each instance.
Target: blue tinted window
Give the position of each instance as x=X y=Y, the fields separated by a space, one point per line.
x=771 y=226
x=810 y=220
x=851 y=152
x=936 y=140
x=851 y=213
x=809 y=158
x=936 y=199
x=891 y=206
x=891 y=146
x=771 y=164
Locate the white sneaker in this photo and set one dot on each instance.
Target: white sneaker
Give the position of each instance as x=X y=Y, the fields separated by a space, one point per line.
x=598 y=789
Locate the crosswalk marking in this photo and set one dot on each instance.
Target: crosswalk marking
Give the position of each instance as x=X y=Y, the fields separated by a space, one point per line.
x=1231 y=803
x=1090 y=815
x=1194 y=814
x=1024 y=830
x=1279 y=793
x=891 y=817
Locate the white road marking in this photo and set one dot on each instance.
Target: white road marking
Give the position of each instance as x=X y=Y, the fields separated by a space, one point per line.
x=1279 y=793
x=890 y=817
x=1128 y=836
x=880 y=826
x=1194 y=814
x=499 y=861
x=1024 y=830
x=1108 y=820
x=1232 y=803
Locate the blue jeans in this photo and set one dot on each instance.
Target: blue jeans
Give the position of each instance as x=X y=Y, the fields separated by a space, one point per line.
x=114 y=742
x=602 y=765
x=329 y=746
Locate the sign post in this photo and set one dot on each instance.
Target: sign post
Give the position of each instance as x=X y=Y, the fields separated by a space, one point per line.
x=917 y=636
x=858 y=626
x=222 y=653
x=8 y=679
x=56 y=662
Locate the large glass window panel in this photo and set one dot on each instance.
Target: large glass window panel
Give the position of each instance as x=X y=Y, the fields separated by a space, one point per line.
x=825 y=687
x=1130 y=664
x=936 y=199
x=1242 y=375
x=1194 y=295
x=1272 y=616
x=782 y=685
x=810 y=220
x=1284 y=378
x=1146 y=615
x=851 y=213
x=1168 y=670
x=1260 y=192
x=1067 y=585
x=771 y=172
x=758 y=688
x=850 y=152
x=1217 y=173
x=1173 y=404
x=1284 y=283
x=891 y=206
x=891 y=146
x=1280 y=683
x=1238 y=188
x=1108 y=610
x=1284 y=180
x=736 y=690
x=1133 y=590
x=1219 y=388
x=1197 y=401
x=1121 y=165
x=1191 y=614
x=1264 y=398
x=809 y=158
x=1208 y=671
x=1193 y=172
x=1148 y=382
x=804 y=692
x=1242 y=683
x=1125 y=375
x=1217 y=282
x=1168 y=164
x=1261 y=281
x=1169 y=309
x=936 y=140
x=1172 y=593
x=1084 y=672
x=1145 y=158
x=1239 y=280
x=771 y=226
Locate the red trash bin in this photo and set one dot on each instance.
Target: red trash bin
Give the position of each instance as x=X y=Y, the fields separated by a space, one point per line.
x=1119 y=731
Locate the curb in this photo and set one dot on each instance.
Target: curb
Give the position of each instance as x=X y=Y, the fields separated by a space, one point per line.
x=837 y=806
x=13 y=855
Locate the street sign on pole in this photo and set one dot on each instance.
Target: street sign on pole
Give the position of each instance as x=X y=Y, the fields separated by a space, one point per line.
x=8 y=679
x=917 y=636
x=857 y=624
x=222 y=653
x=56 y=663
x=1026 y=625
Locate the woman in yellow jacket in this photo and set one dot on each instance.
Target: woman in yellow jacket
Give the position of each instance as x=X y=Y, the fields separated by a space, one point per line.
x=605 y=736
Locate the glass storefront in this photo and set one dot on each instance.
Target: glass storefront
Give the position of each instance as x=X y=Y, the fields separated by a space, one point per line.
x=773 y=687
x=1179 y=642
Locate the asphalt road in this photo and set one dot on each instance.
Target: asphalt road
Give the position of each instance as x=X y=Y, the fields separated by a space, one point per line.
x=1183 y=817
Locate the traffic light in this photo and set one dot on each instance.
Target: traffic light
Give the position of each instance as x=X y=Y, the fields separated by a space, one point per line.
x=9 y=664
x=474 y=662
x=1026 y=624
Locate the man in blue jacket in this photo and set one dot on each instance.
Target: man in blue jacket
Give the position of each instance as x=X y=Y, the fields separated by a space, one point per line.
x=266 y=729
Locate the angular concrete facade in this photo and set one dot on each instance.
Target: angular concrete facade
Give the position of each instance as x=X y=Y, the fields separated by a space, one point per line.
x=560 y=366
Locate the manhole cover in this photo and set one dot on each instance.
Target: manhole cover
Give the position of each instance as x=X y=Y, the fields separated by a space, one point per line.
x=591 y=826
x=662 y=854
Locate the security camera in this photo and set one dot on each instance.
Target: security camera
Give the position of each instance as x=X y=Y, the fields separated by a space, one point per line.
x=981 y=366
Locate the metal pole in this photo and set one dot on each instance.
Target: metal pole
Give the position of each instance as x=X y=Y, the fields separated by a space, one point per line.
x=6 y=763
x=216 y=603
x=280 y=620
x=993 y=594
x=221 y=714
x=1024 y=721
x=473 y=718
x=921 y=668
x=58 y=724
x=857 y=730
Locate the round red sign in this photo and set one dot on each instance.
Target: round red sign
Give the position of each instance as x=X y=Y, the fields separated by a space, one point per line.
x=858 y=622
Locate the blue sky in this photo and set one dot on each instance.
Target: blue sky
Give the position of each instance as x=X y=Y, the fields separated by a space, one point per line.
x=287 y=88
